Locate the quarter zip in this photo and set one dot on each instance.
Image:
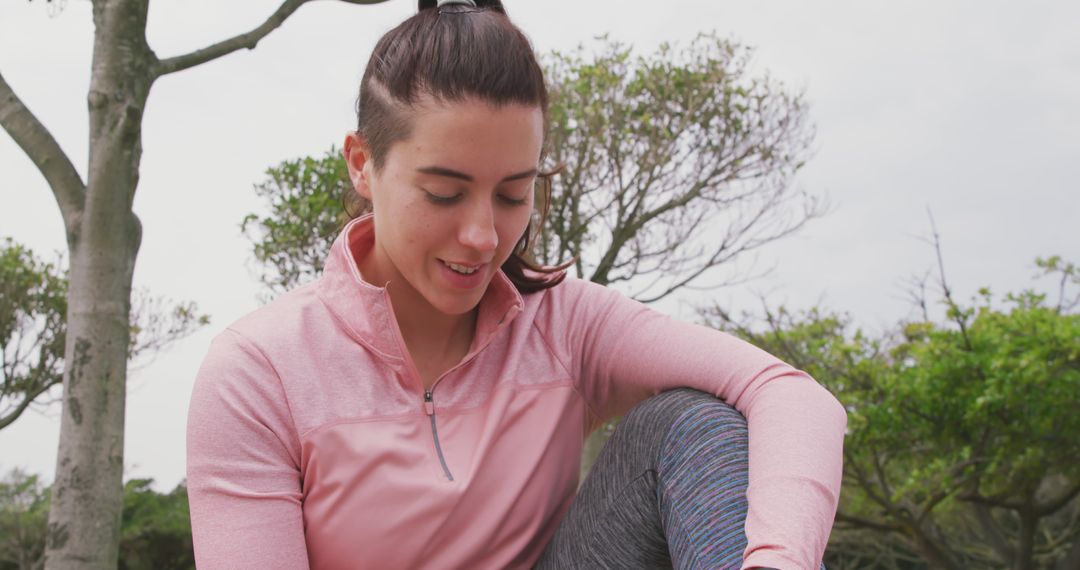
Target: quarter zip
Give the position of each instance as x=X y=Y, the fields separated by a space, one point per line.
x=429 y=398
x=429 y=407
x=429 y=401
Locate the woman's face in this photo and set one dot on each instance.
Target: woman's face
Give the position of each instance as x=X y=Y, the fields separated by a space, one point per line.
x=450 y=202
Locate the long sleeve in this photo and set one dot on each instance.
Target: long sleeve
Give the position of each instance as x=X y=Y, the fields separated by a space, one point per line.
x=243 y=458
x=625 y=352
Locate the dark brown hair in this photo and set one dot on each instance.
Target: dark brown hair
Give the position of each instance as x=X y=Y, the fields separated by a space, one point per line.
x=450 y=54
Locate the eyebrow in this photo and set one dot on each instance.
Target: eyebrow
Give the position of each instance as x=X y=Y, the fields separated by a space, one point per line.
x=441 y=171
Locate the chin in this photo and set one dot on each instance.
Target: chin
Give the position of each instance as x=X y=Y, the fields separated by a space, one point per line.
x=450 y=302
x=456 y=306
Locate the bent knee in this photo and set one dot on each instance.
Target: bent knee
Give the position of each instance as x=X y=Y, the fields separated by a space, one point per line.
x=684 y=412
x=679 y=403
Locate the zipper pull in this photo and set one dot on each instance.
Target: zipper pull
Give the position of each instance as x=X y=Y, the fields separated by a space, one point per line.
x=429 y=405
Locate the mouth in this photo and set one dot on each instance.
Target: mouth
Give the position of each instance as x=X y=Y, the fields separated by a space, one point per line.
x=462 y=268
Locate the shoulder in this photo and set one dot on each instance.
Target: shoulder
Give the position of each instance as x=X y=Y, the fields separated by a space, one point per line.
x=575 y=302
x=574 y=290
x=261 y=338
x=241 y=359
x=281 y=318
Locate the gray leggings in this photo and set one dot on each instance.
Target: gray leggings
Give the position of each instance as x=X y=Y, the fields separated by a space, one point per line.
x=667 y=491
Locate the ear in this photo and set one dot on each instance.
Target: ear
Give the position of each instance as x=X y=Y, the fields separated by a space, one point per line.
x=357 y=158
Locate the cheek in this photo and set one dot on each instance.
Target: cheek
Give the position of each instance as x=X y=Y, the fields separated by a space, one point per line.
x=405 y=226
x=425 y=229
x=513 y=227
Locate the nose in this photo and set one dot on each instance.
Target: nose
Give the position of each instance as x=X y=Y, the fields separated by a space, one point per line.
x=477 y=230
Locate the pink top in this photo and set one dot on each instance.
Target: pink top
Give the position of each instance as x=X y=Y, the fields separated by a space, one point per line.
x=311 y=442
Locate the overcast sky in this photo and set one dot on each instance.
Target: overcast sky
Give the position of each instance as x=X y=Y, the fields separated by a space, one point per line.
x=971 y=108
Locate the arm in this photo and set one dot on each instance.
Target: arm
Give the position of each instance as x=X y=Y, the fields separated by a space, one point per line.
x=243 y=460
x=627 y=352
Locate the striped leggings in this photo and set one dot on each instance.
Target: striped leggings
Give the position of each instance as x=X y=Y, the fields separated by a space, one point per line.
x=667 y=491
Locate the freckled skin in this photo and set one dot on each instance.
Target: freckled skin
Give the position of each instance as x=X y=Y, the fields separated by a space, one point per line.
x=414 y=234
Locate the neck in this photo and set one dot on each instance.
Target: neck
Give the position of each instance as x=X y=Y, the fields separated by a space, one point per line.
x=426 y=329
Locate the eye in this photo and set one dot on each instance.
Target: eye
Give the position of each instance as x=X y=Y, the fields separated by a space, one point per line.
x=506 y=194
x=441 y=200
x=513 y=201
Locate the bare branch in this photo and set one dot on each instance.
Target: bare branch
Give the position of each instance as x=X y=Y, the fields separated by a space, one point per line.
x=867 y=523
x=995 y=500
x=958 y=315
x=713 y=261
x=246 y=40
x=942 y=494
x=38 y=144
x=917 y=295
x=883 y=479
x=27 y=400
x=851 y=465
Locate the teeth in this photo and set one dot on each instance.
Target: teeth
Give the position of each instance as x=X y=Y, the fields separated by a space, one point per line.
x=460 y=268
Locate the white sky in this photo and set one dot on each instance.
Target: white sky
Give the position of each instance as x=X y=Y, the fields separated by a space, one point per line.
x=969 y=107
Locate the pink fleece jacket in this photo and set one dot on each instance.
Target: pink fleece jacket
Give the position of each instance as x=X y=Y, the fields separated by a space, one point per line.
x=312 y=443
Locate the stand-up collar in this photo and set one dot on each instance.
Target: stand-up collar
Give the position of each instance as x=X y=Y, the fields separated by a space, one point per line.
x=366 y=311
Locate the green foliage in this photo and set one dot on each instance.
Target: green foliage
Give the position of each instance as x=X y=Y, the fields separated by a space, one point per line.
x=155 y=532
x=972 y=419
x=33 y=313
x=24 y=513
x=305 y=198
x=33 y=307
x=1070 y=275
x=1003 y=393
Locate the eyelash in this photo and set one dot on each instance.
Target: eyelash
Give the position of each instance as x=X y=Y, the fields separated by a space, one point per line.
x=512 y=201
x=442 y=200
x=448 y=200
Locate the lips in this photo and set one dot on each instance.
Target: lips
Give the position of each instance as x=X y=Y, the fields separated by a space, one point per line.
x=462 y=268
x=463 y=275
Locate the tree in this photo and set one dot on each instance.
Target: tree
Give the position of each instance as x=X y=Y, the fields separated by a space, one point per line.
x=103 y=236
x=155 y=532
x=658 y=151
x=962 y=435
x=306 y=212
x=33 y=303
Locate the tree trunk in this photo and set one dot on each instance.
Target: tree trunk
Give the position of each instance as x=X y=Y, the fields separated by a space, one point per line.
x=932 y=551
x=84 y=518
x=1025 y=555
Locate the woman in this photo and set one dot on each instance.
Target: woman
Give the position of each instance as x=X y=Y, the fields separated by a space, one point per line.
x=423 y=403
